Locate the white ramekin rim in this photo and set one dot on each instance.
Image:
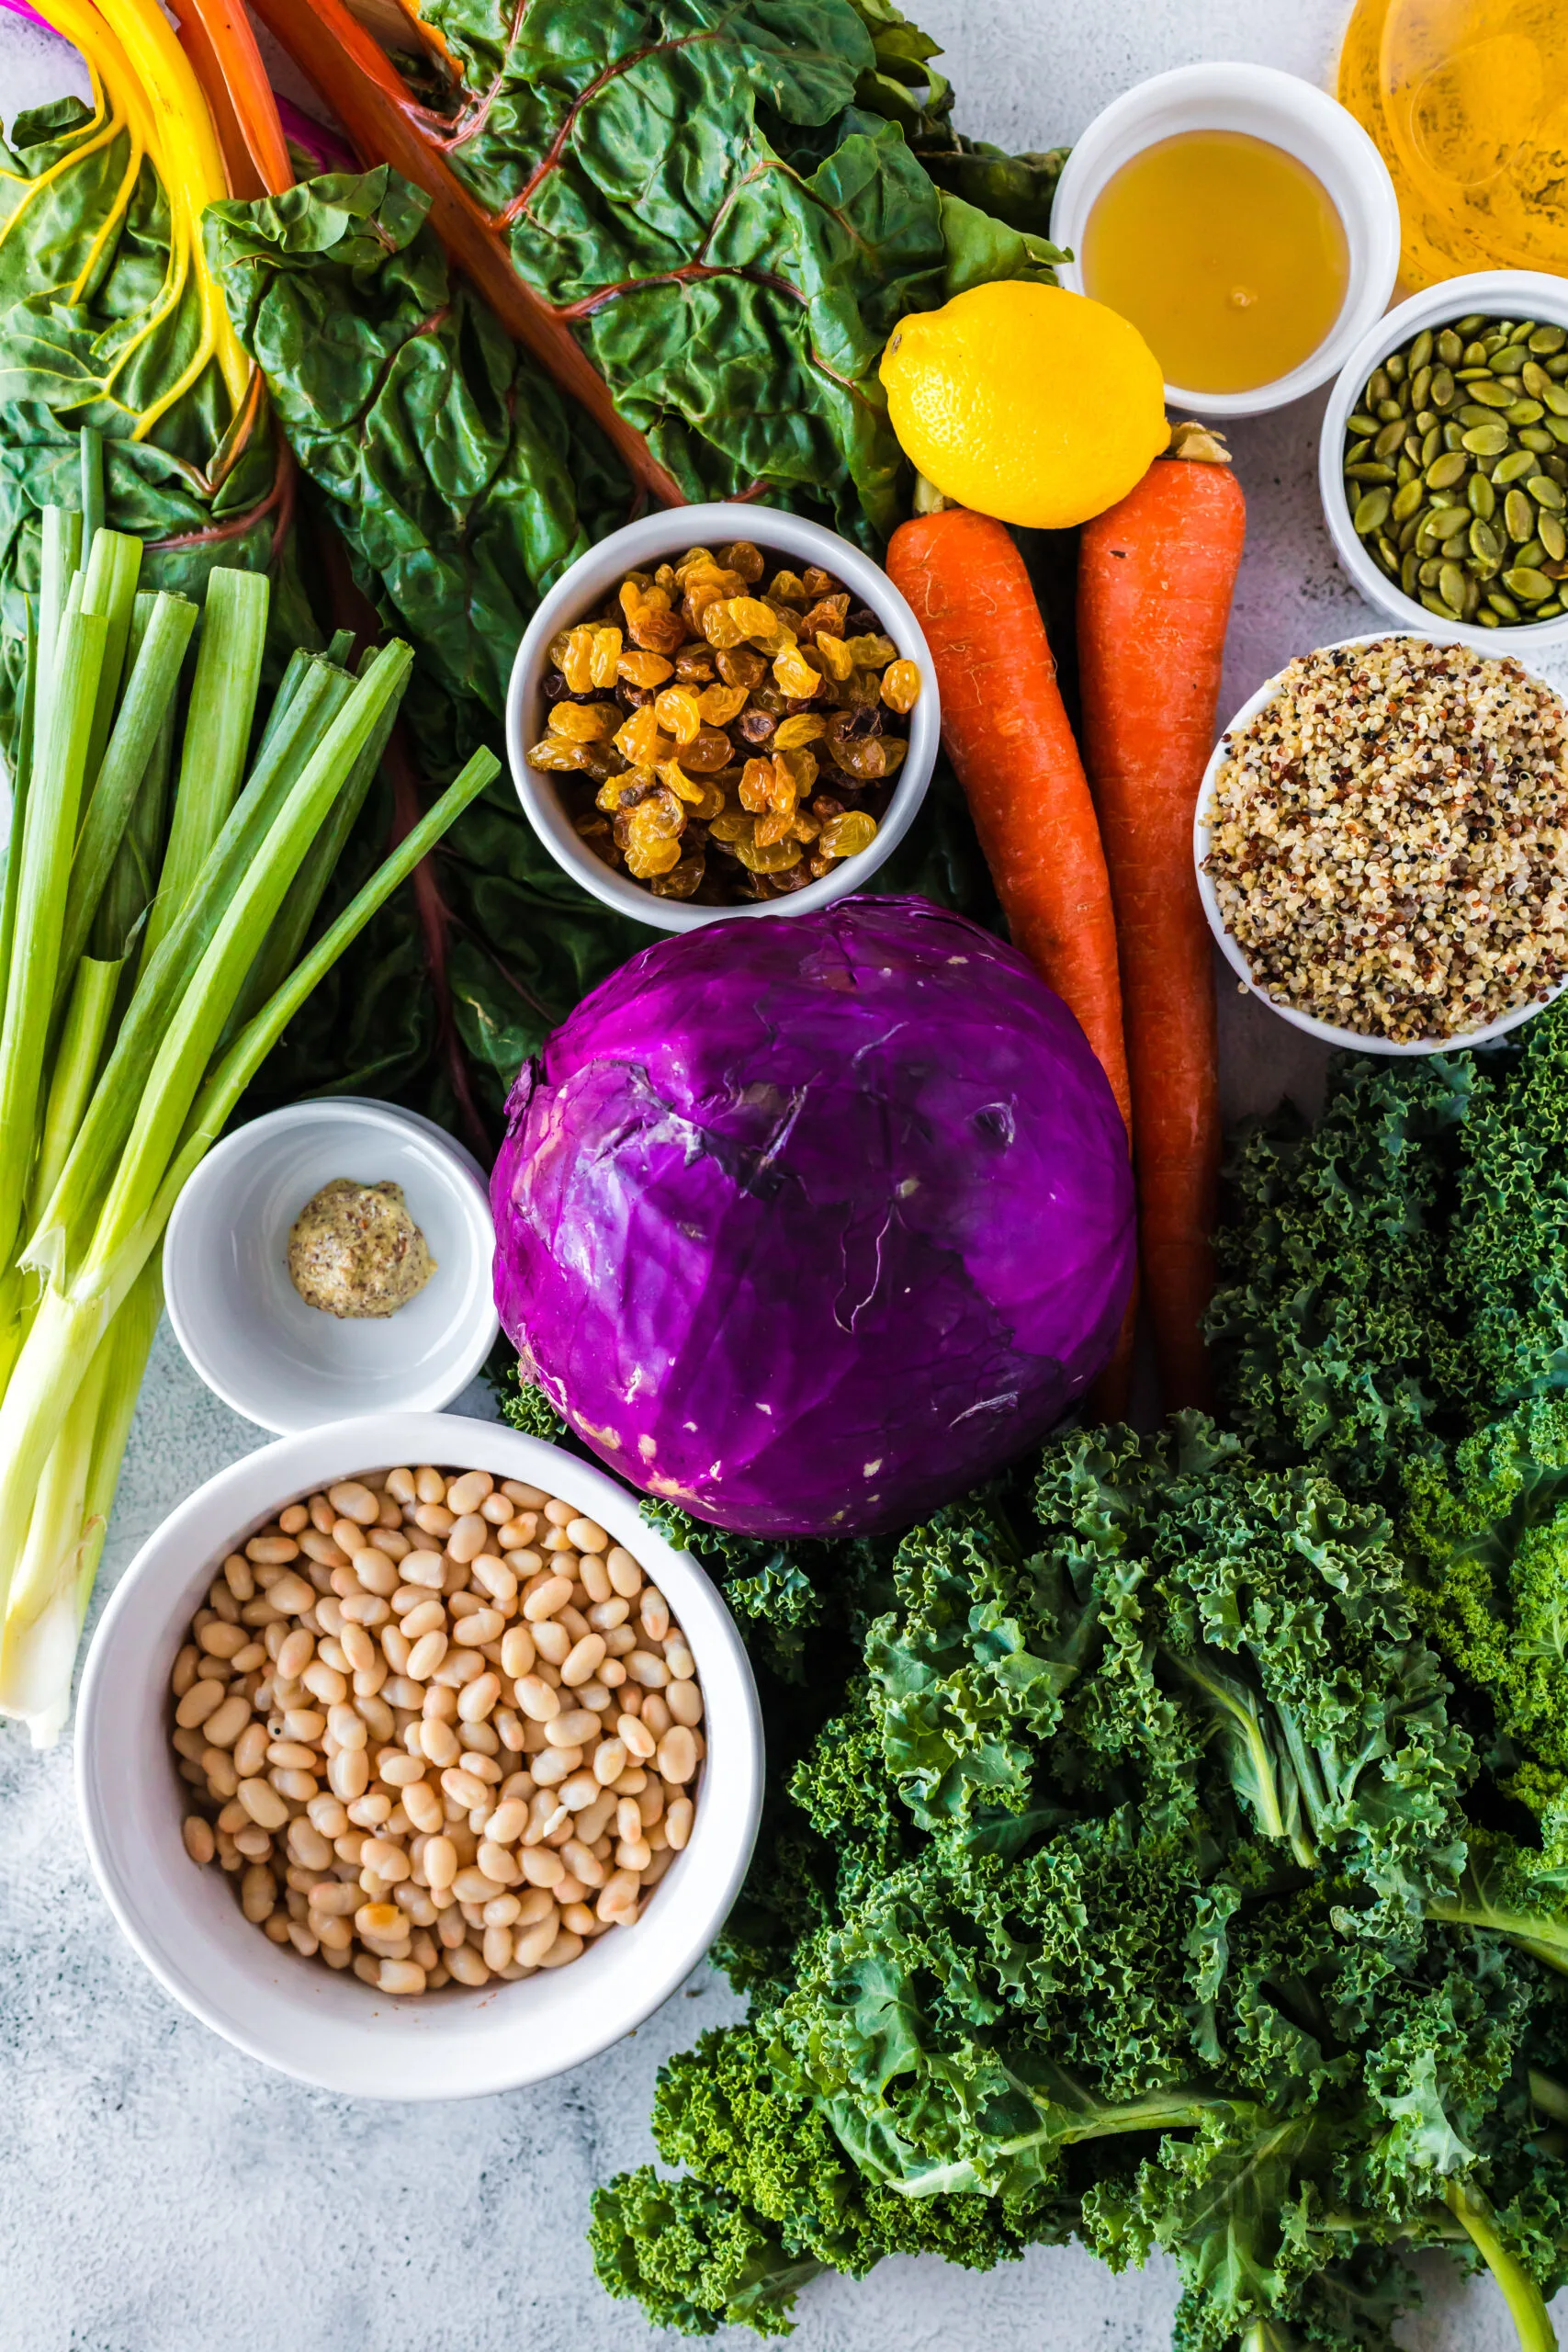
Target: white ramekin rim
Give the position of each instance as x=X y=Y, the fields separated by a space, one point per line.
x=1496 y=293
x=329 y=2030
x=1289 y=113
x=655 y=537
x=1326 y=1032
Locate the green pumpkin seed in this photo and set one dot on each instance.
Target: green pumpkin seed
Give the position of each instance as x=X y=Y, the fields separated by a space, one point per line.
x=1536 y=382
x=1484 y=544
x=1503 y=606
x=1407 y=532
x=1486 y=440
x=1532 y=587
x=1448 y=522
x=1472 y=415
x=1545 y=492
x=1435 y=604
x=1421 y=351
x=1531 y=556
x=1514 y=467
x=1451 y=586
x=1449 y=348
x=1379 y=386
x=1431 y=444
x=1453 y=437
x=1448 y=469
x=1369 y=470
x=1518 y=516
x=1408 y=470
x=1489 y=620
x=1557 y=426
x=1408 y=571
x=1481 y=498
x=1508 y=361
x=1472 y=323
x=1393 y=367
x=1408 y=499
x=1548 y=612
x=1391 y=437
x=1386 y=552
x=1361 y=425
x=1533 y=437
x=1427 y=575
x=1524 y=413
x=1556 y=398
x=1489 y=393
x=1421 y=384
x=1373 y=512
x=1442 y=391
x=1554 y=537
x=1546 y=339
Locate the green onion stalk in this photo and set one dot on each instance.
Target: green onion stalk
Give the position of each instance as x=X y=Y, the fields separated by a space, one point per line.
x=171 y=841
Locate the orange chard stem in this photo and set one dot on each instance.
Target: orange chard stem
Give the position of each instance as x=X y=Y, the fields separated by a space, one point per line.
x=215 y=36
x=385 y=126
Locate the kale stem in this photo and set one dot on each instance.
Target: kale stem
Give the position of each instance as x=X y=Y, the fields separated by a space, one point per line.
x=1526 y=2303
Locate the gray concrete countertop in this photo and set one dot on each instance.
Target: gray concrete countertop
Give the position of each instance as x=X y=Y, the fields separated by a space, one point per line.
x=160 y=2193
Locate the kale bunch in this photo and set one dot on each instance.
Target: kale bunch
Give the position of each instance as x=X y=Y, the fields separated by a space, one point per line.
x=1396 y=1310
x=1133 y=1890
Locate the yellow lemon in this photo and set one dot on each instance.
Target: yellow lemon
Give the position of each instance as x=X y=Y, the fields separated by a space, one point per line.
x=1027 y=402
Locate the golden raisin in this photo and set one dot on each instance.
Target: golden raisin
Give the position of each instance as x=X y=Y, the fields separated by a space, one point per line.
x=805 y=728
x=641 y=739
x=714 y=800
x=901 y=685
x=679 y=782
x=754 y=618
x=827 y=613
x=719 y=624
x=817 y=582
x=555 y=752
x=660 y=816
x=577 y=668
x=740 y=665
x=847 y=835
x=677 y=712
x=775 y=826
x=603 y=660
x=789 y=588
x=794 y=675
x=645 y=670
x=837 y=658
x=695 y=560
x=622 y=791
x=870 y=652
x=734 y=825
x=773 y=857
x=708 y=750
x=742 y=557
x=756 y=780
x=800 y=767
x=584 y=722
x=694 y=664
x=681 y=880
x=650 y=853
x=719 y=704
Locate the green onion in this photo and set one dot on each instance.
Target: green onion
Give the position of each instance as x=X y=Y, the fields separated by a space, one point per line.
x=152 y=950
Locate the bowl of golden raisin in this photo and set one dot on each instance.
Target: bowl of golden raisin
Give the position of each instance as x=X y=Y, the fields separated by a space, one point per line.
x=725 y=710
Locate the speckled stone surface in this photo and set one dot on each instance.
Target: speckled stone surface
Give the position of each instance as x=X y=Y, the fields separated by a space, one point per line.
x=160 y=2193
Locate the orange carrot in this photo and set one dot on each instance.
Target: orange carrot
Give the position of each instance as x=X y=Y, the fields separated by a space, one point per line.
x=1007 y=736
x=1156 y=578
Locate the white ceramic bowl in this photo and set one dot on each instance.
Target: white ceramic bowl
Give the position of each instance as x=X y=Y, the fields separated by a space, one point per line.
x=295 y=2014
x=1289 y=113
x=1495 y=293
x=640 y=546
x=240 y=1319
x=1349 y=1040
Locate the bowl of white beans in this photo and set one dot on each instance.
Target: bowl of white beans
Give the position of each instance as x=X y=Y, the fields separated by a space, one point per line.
x=412 y=1761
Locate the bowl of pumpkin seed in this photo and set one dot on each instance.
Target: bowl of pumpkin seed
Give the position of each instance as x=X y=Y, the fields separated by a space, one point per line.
x=1444 y=461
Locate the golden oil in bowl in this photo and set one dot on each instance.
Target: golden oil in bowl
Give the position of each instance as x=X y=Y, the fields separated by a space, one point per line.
x=1226 y=252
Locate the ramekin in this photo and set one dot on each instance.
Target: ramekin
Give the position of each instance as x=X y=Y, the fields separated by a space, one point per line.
x=294 y=2014
x=1494 y=293
x=1289 y=113
x=655 y=539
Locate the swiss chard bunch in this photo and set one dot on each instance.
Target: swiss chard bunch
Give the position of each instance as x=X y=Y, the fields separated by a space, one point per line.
x=1131 y=1893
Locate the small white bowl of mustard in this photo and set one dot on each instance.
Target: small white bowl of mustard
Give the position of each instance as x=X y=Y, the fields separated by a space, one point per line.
x=1301 y=213
x=236 y=1304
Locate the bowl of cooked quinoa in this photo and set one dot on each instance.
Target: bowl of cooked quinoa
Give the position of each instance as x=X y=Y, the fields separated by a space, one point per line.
x=1381 y=844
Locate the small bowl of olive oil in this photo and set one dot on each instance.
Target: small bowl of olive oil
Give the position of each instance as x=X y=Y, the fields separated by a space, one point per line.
x=1243 y=221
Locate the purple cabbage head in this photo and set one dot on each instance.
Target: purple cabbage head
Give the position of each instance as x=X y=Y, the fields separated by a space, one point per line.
x=809 y=1222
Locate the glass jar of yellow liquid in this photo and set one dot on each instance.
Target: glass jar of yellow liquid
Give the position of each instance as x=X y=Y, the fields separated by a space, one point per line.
x=1468 y=101
x=1226 y=253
